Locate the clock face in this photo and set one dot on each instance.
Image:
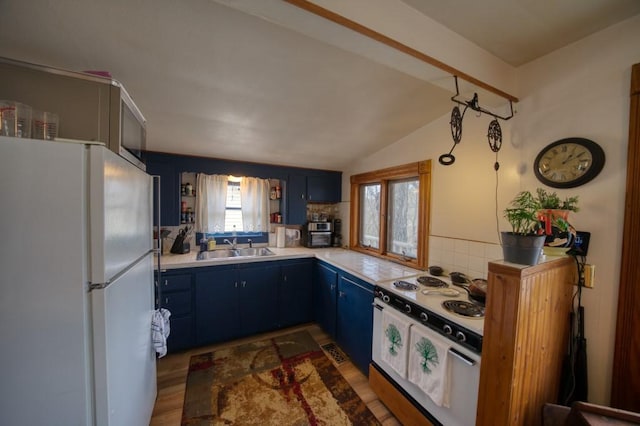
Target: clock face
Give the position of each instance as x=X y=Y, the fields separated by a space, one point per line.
x=569 y=162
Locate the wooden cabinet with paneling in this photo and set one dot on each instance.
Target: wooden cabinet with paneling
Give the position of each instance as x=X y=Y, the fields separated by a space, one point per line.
x=526 y=331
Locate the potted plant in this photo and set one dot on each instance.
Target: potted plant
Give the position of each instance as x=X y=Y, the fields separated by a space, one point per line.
x=554 y=214
x=524 y=243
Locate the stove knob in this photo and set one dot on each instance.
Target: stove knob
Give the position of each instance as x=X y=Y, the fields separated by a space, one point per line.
x=447 y=329
x=407 y=308
x=424 y=317
x=385 y=298
x=461 y=337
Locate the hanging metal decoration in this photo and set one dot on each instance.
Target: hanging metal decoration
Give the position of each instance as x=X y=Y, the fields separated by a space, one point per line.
x=456 y=124
x=494 y=133
x=494 y=136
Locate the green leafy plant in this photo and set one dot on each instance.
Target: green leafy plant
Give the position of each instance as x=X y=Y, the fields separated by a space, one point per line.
x=552 y=201
x=522 y=213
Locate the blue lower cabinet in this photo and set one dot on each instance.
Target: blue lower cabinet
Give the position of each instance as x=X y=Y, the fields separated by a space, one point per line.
x=325 y=290
x=235 y=300
x=296 y=293
x=217 y=305
x=258 y=287
x=174 y=293
x=354 y=326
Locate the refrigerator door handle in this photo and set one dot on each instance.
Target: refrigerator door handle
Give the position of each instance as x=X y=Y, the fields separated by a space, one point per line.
x=101 y=286
x=158 y=250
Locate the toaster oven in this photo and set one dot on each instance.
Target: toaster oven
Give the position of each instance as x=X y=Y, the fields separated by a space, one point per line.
x=318 y=239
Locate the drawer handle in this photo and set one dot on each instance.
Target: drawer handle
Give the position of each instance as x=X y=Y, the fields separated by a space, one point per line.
x=166 y=300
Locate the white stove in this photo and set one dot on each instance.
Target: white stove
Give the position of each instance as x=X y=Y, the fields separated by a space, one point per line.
x=425 y=304
x=422 y=305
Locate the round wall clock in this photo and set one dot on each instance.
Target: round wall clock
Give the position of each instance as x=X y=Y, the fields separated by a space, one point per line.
x=569 y=162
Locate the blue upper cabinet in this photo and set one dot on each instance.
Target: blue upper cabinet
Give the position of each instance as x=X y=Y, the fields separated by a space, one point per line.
x=169 y=190
x=326 y=188
x=320 y=187
x=296 y=196
x=301 y=185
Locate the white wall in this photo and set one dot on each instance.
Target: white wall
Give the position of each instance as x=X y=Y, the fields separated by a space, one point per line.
x=581 y=90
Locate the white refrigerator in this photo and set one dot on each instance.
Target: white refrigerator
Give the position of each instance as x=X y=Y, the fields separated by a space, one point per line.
x=76 y=289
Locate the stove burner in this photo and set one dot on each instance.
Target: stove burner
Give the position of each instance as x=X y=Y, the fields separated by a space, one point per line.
x=431 y=281
x=464 y=308
x=403 y=285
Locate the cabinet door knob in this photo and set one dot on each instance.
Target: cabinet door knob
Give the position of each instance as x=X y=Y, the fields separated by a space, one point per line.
x=341 y=293
x=244 y=284
x=166 y=282
x=166 y=301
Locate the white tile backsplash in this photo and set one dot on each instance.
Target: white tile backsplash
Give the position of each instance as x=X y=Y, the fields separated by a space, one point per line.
x=461 y=246
x=469 y=257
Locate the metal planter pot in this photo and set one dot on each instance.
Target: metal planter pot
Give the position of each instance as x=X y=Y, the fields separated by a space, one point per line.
x=522 y=249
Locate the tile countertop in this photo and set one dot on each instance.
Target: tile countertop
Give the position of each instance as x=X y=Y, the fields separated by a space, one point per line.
x=368 y=268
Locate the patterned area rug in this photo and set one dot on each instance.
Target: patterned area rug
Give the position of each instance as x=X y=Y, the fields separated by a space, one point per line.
x=286 y=380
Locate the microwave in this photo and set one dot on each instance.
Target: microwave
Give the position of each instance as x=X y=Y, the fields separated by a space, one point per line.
x=319 y=227
x=127 y=126
x=90 y=107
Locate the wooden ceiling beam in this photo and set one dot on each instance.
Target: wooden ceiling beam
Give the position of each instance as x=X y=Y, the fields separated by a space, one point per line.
x=374 y=35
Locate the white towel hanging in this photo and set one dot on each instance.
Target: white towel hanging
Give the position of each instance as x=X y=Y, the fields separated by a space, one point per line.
x=395 y=340
x=429 y=366
x=160 y=329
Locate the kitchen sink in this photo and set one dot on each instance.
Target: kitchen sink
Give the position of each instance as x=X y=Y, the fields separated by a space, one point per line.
x=254 y=251
x=231 y=253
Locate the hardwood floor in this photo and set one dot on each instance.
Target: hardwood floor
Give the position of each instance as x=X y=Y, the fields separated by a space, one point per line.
x=172 y=375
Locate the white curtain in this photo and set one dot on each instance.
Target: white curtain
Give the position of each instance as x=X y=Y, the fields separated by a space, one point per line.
x=211 y=202
x=254 y=195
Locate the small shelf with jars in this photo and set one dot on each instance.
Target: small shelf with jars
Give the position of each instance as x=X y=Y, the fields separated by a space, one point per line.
x=275 y=196
x=187 y=197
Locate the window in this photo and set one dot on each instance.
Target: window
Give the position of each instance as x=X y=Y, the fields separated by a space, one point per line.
x=370 y=215
x=233 y=208
x=390 y=211
x=226 y=204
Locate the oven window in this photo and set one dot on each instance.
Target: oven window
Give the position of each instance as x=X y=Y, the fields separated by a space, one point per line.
x=390 y=213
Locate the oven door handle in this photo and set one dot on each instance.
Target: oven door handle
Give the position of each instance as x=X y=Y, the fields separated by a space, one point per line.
x=462 y=357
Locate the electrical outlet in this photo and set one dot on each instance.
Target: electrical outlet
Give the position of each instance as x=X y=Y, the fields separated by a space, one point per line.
x=589 y=275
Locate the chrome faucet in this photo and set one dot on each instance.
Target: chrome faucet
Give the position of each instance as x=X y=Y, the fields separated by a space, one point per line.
x=233 y=244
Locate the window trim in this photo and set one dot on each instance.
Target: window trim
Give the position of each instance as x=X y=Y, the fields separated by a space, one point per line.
x=421 y=170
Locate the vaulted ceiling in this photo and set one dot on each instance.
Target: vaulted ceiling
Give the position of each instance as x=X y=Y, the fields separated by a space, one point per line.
x=213 y=80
